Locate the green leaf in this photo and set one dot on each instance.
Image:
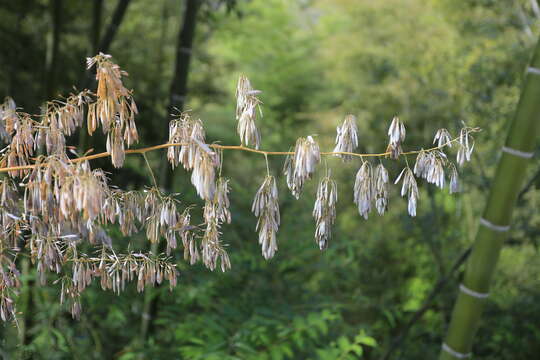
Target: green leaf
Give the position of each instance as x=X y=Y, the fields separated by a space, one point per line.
x=344 y=343
x=357 y=349
x=366 y=340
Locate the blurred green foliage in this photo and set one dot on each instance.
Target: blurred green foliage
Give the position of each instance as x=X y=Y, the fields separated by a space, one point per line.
x=436 y=63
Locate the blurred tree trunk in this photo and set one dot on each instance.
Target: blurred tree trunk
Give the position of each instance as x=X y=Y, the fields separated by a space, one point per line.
x=112 y=29
x=535 y=8
x=184 y=48
x=178 y=92
x=524 y=21
x=96 y=25
x=495 y=222
x=177 y=99
x=105 y=42
x=101 y=44
x=160 y=50
x=51 y=60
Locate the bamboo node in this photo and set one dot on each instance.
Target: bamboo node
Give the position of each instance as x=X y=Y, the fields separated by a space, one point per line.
x=472 y=293
x=518 y=153
x=494 y=227
x=533 y=70
x=455 y=353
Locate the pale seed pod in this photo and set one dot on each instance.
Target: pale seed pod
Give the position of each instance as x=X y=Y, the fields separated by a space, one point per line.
x=301 y=165
x=324 y=211
x=396 y=133
x=465 y=147
x=347 y=137
x=363 y=189
x=266 y=208
x=443 y=138
x=381 y=189
x=246 y=112
x=409 y=188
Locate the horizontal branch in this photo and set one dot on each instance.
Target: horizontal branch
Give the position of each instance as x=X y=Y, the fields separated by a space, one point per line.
x=223 y=147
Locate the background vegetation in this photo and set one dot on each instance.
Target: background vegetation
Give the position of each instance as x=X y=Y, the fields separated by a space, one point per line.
x=436 y=63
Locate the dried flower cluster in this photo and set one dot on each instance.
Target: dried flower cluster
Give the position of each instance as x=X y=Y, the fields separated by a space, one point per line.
x=347 y=137
x=58 y=210
x=8 y=114
x=381 y=189
x=466 y=146
x=114 y=108
x=430 y=166
x=194 y=154
x=409 y=188
x=246 y=113
x=114 y=271
x=9 y=282
x=324 y=211
x=396 y=133
x=216 y=212
x=301 y=165
x=442 y=138
x=266 y=208
x=363 y=189
x=371 y=186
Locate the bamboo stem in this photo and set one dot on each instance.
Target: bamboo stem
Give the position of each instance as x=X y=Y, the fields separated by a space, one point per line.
x=501 y=201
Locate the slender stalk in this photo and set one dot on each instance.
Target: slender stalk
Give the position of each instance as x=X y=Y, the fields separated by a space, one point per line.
x=226 y=147
x=501 y=201
x=529 y=185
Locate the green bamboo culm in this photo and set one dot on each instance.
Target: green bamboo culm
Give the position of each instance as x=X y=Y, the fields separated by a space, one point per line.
x=518 y=149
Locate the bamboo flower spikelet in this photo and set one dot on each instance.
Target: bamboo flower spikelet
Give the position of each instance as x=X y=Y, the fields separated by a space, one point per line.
x=466 y=146
x=442 y=138
x=115 y=109
x=396 y=133
x=246 y=112
x=59 y=210
x=194 y=154
x=212 y=248
x=324 y=211
x=347 y=137
x=8 y=114
x=266 y=208
x=430 y=166
x=363 y=189
x=454 y=182
x=301 y=165
x=204 y=170
x=381 y=189
x=409 y=188
x=221 y=199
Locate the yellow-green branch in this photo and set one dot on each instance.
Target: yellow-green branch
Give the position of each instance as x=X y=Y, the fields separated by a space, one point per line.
x=225 y=147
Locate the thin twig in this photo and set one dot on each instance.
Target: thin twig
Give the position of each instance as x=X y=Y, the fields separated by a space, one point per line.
x=226 y=147
x=150 y=170
x=396 y=343
x=529 y=185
